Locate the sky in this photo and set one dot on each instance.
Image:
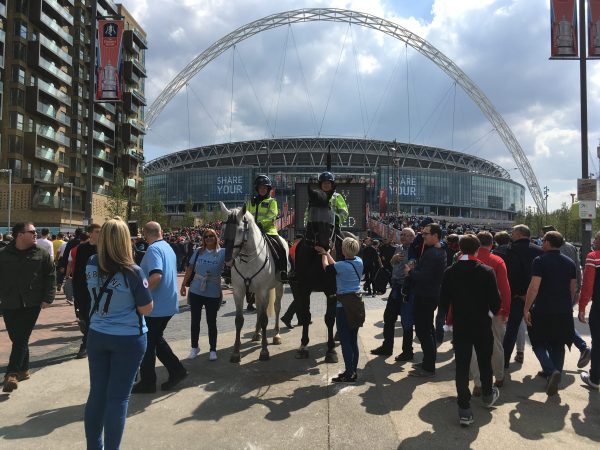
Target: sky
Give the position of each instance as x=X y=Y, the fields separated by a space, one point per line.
x=330 y=79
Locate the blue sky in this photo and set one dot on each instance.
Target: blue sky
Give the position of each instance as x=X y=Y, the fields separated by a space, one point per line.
x=282 y=80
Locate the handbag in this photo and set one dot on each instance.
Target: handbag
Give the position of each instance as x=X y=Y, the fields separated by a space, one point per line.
x=193 y=274
x=354 y=306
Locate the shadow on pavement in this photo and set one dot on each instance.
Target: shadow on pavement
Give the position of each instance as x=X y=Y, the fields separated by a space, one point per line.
x=587 y=424
x=44 y=422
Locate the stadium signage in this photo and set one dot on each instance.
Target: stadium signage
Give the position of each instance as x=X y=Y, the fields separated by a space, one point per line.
x=230 y=185
x=407 y=186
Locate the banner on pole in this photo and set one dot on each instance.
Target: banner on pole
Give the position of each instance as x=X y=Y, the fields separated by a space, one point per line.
x=563 y=29
x=108 y=64
x=593 y=9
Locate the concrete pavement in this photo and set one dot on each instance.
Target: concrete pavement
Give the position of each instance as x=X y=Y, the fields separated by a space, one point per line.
x=291 y=403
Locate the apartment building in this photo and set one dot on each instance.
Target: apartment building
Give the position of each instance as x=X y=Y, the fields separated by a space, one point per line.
x=45 y=111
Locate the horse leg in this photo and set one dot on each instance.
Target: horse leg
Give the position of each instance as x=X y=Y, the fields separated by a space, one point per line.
x=256 y=335
x=239 y=323
x=331 y=355
x=264 y=320
x=303 y=312
x=278 y=295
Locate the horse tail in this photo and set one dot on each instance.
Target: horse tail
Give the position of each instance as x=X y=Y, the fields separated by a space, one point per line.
x=271 y=304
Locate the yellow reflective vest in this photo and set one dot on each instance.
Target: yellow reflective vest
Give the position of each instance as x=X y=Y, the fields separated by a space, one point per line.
x=265 y=213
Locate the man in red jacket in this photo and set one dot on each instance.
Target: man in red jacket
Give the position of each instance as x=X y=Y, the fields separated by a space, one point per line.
x=499 y=320
x=590 y=290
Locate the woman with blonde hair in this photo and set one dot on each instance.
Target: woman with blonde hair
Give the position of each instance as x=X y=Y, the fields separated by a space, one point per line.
x=117 y=336
x=203 y=276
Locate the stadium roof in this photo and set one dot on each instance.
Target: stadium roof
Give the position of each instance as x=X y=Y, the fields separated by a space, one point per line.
x=312 y=152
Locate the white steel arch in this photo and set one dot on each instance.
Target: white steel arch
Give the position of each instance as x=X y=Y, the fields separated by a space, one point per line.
x=368 y=21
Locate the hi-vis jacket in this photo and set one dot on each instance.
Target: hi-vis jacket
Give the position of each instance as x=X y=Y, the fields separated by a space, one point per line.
x=338 y=206
x=265 y=213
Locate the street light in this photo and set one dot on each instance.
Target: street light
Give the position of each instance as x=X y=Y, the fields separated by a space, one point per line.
x=395 y=180
x=9 y=172
x=70 y=203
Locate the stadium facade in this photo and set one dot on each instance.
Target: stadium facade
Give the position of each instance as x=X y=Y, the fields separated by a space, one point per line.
x=408 y=178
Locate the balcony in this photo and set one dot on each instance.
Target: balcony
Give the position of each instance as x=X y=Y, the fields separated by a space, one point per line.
x=53 y=113
x=49 y=133
x=133 y=153
x=112 y=8
x=45 y=200
x=102 y=119
x=141 y=40
x=100 y=137
x=60 y=10
x=3 y=11
x=102 y=155
x=48 y=177
x=100 y=189
x=54 y=48
x=107 y=106
x=2 y=32
x=50 y=155
x=133 y=71
x=52 y=69
x=131 y=132
x=52 y=91
x=50 y=23
x=137 y=94
x=100 y=172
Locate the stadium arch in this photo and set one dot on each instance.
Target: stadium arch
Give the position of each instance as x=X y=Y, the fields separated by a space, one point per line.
x=369 y=21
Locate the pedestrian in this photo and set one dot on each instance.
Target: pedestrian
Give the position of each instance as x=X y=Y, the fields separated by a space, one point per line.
x=203 y=276
x=46 y=243
x=520 y=254
x=117 y=337
x=470 y=289
x=398 y=305
x=371 y=261
x=590 y=290
x=426 y=279
x=160 y=266
x=348 y=274
x=291 y=311
x=499 y=320
x=27 y=285
x=81 y=294
x=548 y=308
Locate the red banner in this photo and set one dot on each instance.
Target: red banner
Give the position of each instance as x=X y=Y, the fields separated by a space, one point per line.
x=108 y=64
x=593 y=7
x=563 y=26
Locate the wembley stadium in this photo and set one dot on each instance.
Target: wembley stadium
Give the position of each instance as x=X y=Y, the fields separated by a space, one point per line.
x=399 y=177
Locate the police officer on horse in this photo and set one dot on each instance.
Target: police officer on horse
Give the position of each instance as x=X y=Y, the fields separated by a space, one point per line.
x=264 y=209
x=338 y=206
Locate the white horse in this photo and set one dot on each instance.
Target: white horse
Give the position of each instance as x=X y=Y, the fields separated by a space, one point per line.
x=254 y=271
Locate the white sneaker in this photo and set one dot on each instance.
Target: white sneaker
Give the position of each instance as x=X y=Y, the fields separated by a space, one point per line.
x=212 y=356
x=194 y=351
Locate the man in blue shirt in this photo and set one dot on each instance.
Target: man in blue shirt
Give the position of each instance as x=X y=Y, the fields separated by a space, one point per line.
x=160 y=266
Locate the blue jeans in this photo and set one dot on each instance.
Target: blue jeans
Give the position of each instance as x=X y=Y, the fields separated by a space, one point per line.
x=348 y=341
x=579 y=342
x=113 y=362
x=550 y=355
x=594 y=321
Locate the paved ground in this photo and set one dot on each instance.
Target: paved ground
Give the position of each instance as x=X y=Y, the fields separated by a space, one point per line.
x=290 y=403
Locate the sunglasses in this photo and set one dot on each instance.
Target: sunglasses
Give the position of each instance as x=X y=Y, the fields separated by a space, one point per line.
x=30 y=231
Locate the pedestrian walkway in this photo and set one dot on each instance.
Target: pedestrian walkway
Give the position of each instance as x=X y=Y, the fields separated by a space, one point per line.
x=289 y=403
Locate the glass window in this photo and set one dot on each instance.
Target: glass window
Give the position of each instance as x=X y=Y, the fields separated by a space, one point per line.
x=15 y=144
x=17 y=97
x=15 y=120
x=18 y=74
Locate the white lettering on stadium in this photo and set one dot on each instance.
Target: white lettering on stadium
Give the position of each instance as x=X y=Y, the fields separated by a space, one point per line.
x=230 y=185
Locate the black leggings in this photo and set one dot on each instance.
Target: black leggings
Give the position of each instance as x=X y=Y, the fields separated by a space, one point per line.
x=212 y=305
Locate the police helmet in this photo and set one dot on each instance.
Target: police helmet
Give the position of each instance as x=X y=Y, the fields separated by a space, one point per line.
x=262 y=180
x=326 y=176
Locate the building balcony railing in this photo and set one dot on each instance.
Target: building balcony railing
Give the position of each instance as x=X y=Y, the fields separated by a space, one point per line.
x=53 y=25
x=49 y=133
x=62 y=12
x=51 y=90
x=56 y=202
x=137 y=124
x=102 y=155
x=48 y=177
x=137 y=94
x=107 y=106
x=100 y=173
x=50 y=155
x=131 y=183
x=141 y=40
x=100 y=189
x=3 y=10
x=51 y=45
x=54 y=70
x=135 y=154
x=53 y=113
x=2 y=32
x=100 y=118
x=100 y=137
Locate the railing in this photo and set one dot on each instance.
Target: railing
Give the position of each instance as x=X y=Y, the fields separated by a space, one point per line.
x=54 y=26
x=137 y=124
x=100 y=137
x=3 y=10
x=100 y=118
x=51 y=45
x=135 y=154
x=100 y=172
x=60 y=10
x=101 y=154
x=100 y=189
x=48 y=177
x=131 y=183
x=48 y=132
x=50 y=67
x=139 y=66
x=49 y=89
x=140 y=38
x=51 y=111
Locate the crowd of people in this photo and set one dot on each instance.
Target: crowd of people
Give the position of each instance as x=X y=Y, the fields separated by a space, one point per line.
x=489 y=289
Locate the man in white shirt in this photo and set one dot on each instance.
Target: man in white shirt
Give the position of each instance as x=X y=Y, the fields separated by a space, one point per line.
x=46 y=243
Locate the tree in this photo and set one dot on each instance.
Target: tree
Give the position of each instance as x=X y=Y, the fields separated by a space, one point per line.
x=189 y=219
x=117 y=200
x=157 y=209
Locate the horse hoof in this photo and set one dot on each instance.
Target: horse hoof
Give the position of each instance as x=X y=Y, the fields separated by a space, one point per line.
x=256 y=337
x=302 y=354
x=276 y=340
x=264 y=356
x=331 y=357
x=235 y=358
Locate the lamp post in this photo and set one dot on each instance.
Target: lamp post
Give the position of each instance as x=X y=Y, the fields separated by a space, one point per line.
x=9 y=172
x=70 y=203
x=546 y=190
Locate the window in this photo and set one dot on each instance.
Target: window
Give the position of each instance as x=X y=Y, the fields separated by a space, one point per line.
x=15 y=120
x=15 y=144
x=29 y=172
x=21 y=6
x=18 y=74
x=20 y=29
x=15 y=165
x=19 y=51
x=17 y=97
